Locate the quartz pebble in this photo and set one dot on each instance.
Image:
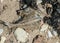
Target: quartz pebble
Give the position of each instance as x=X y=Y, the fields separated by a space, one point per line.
x=21 y=35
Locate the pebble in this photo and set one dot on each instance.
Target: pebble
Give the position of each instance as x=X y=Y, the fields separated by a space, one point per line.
x=44 y=27
x=57 y=42
x=25 y=6
x=49 y=34
x=55 y=33
x=21 y=35
x=1 y=1
x=58 y=10
x=59 y=1
x=39 y=1
x=3 y=39
x=1 y=30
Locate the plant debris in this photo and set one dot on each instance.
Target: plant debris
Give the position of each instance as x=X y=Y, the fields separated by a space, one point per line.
x=29 y=21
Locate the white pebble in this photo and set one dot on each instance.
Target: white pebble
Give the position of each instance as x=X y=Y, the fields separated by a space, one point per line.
x=1 y=1
x=57 y=42
x=49 y=35
x=3 y=39
x=39 y=1
x=21 y=35
x=55 y=33
x=44 y=27
x=1 y=31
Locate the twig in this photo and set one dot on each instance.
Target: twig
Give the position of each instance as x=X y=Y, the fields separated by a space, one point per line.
x=12 y=35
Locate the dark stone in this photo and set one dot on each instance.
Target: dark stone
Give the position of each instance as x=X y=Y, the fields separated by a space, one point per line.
x=31 y=3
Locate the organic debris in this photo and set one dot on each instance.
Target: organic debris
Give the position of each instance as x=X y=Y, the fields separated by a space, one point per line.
x=29 y=21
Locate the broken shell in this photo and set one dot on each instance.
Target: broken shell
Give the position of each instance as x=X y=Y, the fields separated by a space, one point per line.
x=21 y=35
x=1 y=30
